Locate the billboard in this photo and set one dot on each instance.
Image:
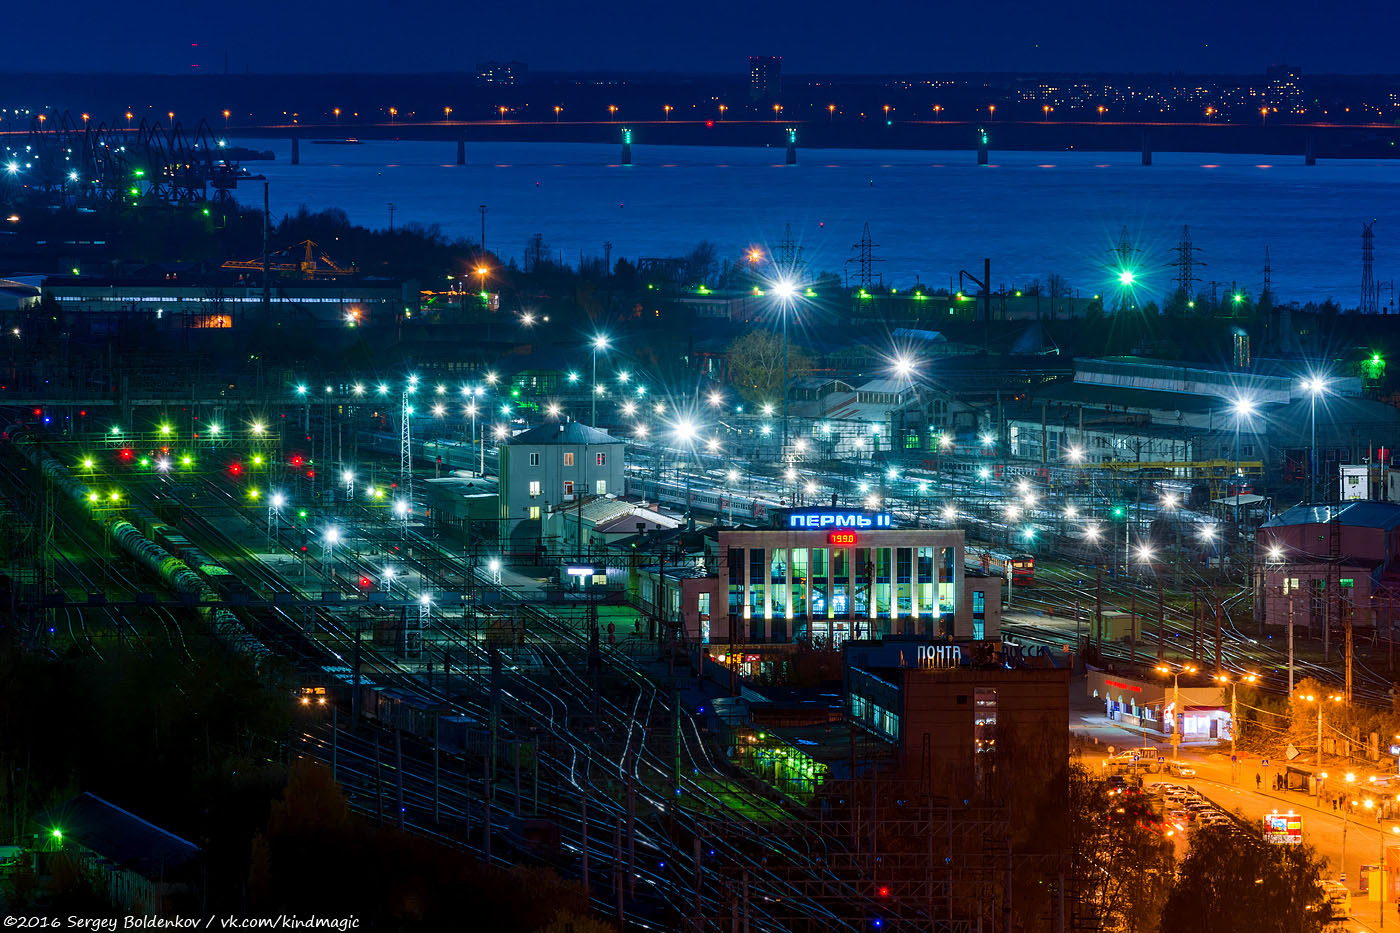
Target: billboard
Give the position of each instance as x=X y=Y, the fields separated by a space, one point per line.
x=1283 y=827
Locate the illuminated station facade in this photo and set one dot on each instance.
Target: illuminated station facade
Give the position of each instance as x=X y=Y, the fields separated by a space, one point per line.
x=827 y=576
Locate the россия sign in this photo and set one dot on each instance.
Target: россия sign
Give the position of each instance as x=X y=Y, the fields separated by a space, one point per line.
x=816 y=520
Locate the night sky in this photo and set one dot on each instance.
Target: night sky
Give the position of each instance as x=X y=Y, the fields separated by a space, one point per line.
x=1239 y=36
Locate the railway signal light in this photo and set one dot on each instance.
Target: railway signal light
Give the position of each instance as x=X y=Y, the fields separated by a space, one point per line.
x=235 y=469
x=364 y=581
x=126 y=454
x=296 y=461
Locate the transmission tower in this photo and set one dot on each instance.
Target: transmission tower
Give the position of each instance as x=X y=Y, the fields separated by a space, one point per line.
x=864 y=259
x=789 y=255
x=1370 y=294
x=1185 y=263
x=406 y=448
x=1266 y=297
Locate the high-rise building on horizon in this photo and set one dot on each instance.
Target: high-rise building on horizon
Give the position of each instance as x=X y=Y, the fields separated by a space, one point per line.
x=765 y=76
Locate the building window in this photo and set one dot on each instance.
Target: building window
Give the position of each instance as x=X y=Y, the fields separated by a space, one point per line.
x=568 y=458
x=534 y=513
x=984 y=718
x=979 y=614
x=602 y=459
x=534 y=487
x=534 y=459
x=568 y=487
x=601 y=487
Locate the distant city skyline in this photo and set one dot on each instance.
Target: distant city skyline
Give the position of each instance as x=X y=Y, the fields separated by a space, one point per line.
x=818 y=37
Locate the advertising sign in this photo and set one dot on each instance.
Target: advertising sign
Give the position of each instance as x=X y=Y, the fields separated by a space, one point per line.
x=1283 y=828
x=826 y=518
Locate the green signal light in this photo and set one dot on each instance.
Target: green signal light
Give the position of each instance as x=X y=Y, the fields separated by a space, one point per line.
x=301 y=513
x=1126 y=277
x=206 y=212
x=56 y=833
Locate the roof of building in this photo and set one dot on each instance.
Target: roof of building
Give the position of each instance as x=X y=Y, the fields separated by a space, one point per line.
x=1358 y=514
x=571 y=433
x=648 y=519
x=120 y=837
x=1086 y=393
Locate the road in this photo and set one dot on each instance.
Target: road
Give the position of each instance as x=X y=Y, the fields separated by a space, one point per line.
x=1322 y=828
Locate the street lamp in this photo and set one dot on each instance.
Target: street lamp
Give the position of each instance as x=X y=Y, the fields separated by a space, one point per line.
x=599 y=343
x=1242 y=407
x=1314 y=386
x=785 y=290
x=388 y=577
x=1234 y=722
x=328 y=540
x=1321 y=701
x=1176 y=701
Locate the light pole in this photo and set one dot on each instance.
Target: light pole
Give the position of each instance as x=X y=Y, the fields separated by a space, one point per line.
x=471 y=410
x=1176 y=701
x=599 y=344
x=1276 y=557
x=388 y=576
x=785 y=289
x=1320 y=701
x=274 y=512
x=1234 y=720
x=328 y=541
x=1315 y=386
x=1243 y=408
x=1346 y=823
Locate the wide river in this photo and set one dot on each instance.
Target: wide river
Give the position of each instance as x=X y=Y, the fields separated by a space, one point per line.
x=930 y=213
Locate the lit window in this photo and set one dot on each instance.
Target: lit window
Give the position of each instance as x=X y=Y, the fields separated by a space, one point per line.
x=602 y=459
x=601 y=487
x=534 y=487
x=568 y=487
x=569 y=458
x=534 y=513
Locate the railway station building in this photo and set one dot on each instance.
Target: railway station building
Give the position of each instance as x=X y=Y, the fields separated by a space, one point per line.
x=827 y=576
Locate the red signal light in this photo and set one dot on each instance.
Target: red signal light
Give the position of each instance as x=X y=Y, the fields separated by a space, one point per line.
x=311 y=474
x=126 y=455
x=709 y=123
x=38 y=412
x=364 y=581
x=884 y=890
x=296 y=461
x=235 y=469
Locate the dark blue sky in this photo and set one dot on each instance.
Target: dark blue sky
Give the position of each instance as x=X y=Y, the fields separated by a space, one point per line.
x=716 y=36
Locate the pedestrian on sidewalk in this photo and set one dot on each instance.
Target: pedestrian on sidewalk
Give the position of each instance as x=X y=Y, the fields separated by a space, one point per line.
x=1258 y=781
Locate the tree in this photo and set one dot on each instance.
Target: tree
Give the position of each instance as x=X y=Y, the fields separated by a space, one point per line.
x=1233 y=880
x=702 y=262
x=1121 y=864
x=756 y=365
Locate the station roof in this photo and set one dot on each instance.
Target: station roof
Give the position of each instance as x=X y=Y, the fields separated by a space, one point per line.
x=1357 y=514
x=571 y=433
x=120 y=837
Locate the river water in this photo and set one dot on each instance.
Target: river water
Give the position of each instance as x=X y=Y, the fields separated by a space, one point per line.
x=930 y=213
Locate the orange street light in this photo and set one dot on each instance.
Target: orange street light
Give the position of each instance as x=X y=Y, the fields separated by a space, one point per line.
x=1102 y=108
x=831 y=113
x=722 y=109
x=668 y=108
x=503 y=113
x=557 y=110
x=1047 y=108
x=447 y=113
x=612 y=111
